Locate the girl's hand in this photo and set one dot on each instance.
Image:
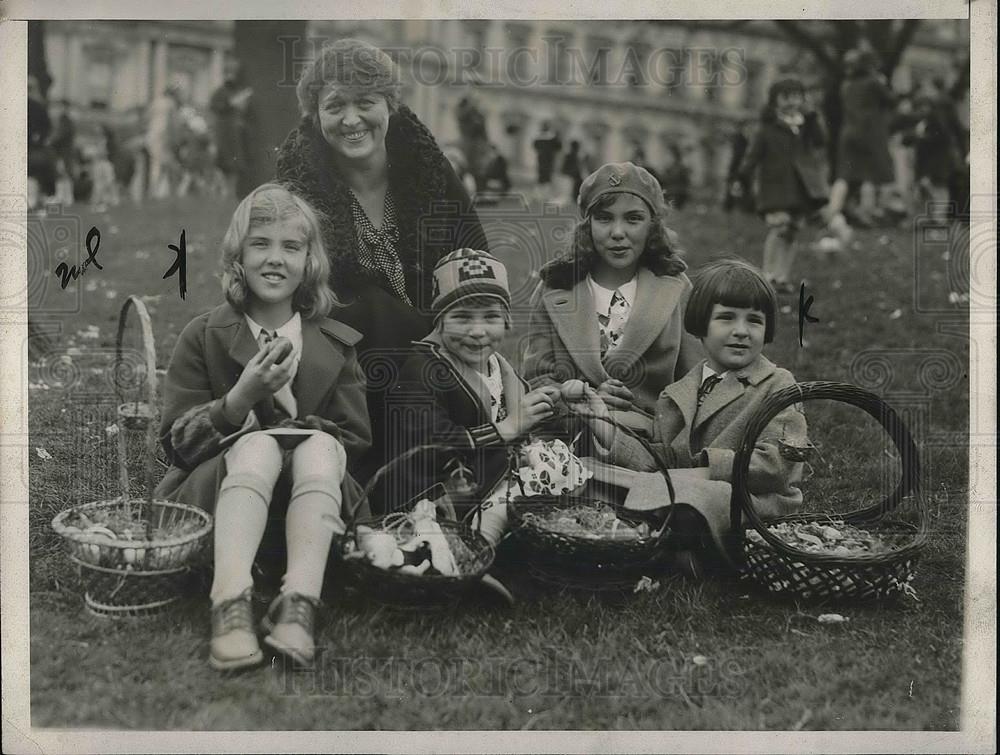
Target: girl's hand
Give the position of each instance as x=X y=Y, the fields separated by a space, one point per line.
x=535 y=407
x=262 y=377
x=615 y=394
x=584 y=400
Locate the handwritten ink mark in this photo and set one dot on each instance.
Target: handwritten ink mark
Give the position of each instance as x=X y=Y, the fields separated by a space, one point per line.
x=804 y=316
x=69 y=273
x=179 y=264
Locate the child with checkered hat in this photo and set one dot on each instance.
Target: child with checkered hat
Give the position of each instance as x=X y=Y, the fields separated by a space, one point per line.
x=457 y=390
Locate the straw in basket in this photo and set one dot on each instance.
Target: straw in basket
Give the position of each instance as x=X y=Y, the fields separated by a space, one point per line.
x=134 y=555
x=783 y=568
x=574 y=560
x=402 y=590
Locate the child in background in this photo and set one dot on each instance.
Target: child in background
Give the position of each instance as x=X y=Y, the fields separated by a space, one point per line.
x=787 y=157
x=610 y=312
x=265 y=389
x=105 y=184
x=701 y=419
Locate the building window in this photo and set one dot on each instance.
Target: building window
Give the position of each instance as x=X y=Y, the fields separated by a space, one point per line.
x=557 y=58
x=475 y=38
x=675 y=62
x=634 y=67
x=99 y=78
x=600 y=53
x=519 y=55
x=753 y=94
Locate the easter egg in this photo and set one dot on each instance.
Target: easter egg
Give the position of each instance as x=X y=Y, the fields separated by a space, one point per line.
x=573 y=390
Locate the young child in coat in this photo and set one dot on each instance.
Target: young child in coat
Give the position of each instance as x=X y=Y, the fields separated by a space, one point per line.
x=457 y=390
x=260 y=390
x=787 y=157
x=701 y=419
x=610 y=313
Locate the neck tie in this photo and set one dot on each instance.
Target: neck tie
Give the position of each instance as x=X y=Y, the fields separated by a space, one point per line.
x=707 y=386
x=613 y=323
x=267 y=336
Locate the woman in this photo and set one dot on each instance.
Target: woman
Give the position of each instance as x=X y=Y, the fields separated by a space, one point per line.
x=391 y=206
x=863 y=155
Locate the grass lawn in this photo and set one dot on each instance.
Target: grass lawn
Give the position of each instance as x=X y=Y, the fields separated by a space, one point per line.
x=686 y=656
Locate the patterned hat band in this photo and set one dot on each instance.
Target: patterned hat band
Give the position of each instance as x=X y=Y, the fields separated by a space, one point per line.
x=465 y=273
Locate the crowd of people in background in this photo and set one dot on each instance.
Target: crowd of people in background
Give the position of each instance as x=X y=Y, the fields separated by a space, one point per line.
x=895 y=153
x=169 y=148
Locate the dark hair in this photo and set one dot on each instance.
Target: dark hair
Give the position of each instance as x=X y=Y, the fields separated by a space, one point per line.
x=661 y=255
x=732 y=283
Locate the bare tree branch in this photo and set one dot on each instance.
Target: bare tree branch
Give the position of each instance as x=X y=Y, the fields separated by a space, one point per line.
x=899 y=45
x=817 y=46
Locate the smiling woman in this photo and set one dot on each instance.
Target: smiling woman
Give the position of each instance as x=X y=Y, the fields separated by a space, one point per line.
x=390 y=206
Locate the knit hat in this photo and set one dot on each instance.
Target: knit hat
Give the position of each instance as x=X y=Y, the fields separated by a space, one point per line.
x=465 y=273
x=620 y=178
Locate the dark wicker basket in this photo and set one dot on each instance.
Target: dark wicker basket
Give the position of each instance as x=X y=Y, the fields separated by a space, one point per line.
x=140 y=576
x=784 y=569
x=402 y=590
x=576 y=561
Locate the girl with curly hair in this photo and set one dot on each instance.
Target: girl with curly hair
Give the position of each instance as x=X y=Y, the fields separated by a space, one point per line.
x=611 y=312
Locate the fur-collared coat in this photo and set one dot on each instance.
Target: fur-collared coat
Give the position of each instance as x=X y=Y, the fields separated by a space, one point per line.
x=207 y=362
x=435 y=216
x=687 y=437
x=790 y=169
x=563 y=341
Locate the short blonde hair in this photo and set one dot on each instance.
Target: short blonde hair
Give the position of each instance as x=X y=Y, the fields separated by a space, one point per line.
x=266 y=204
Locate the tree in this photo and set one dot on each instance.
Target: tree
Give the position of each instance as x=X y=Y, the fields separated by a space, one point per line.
x=265 y=51
x=827 y=41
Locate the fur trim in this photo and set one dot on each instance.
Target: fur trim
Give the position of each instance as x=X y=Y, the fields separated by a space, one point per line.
x=418 y=174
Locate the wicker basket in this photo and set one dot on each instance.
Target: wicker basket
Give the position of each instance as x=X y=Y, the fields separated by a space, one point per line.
x=579 y=562
x=143 y=574
x=784 y=569
x=402 y=590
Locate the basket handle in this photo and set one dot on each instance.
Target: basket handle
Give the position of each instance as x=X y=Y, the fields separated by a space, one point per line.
x=845 y=393
x=149 y=358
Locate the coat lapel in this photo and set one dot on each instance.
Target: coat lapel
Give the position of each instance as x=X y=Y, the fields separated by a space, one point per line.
x=684 y=393
x=656 y=298
x=572 y=313
x=732 y=387
x=319 y=366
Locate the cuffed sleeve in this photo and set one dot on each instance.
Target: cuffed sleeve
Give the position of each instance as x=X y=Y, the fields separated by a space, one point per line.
x=485 y=436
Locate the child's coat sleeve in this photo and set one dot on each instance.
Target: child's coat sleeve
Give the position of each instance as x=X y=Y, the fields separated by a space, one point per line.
x=194 y=427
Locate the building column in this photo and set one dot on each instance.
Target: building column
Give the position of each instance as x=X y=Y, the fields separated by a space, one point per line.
x=73 y=73
x=140 y=93
x=218 y=67
x=159 y=67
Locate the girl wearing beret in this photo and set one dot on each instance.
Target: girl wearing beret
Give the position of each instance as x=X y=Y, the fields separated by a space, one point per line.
x=611 y=312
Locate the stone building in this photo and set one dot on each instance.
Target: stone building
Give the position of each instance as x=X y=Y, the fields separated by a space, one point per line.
x=622 y=88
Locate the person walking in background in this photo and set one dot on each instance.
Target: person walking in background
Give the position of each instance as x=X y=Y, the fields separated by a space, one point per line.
x=787 y=157
x=63 y=143
x=863 y=157
x=229 y=105
x=572 y=171
x=160 y=141
x=546 y=145
x=937 y=157
x=676 y=179
x=41 y=159
x=738 y=143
